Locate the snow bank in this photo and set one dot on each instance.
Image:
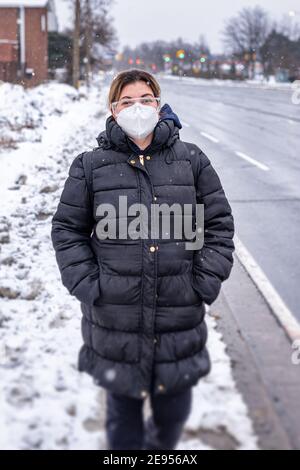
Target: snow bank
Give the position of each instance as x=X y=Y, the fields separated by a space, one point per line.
x=45 y=403
x=23 y=112
x=271 y=84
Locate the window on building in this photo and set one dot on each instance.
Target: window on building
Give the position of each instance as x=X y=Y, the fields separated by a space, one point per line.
x=43 y=23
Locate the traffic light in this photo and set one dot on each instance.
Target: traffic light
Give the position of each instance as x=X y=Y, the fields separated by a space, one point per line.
x=180 y=54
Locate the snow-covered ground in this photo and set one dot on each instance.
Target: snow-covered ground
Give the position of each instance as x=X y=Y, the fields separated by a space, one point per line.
x=45 y=403
x=259 y=83
x=23 y=112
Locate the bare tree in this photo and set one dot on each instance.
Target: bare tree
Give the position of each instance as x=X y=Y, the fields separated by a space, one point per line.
x=94 y=36
x=245 y=33
x=289 y=26
x=97 y=31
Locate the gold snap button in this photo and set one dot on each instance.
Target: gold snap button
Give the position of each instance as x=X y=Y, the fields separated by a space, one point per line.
x=161 y=387
x=152 y=249
x=144 y=393
x=148 y=157
x=132 y=161
x=155 y=198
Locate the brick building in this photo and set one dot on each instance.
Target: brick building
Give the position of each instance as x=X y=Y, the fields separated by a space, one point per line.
x=24 y=27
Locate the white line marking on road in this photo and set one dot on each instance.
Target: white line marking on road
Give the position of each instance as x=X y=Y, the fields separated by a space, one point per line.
x=252 y=160
x=185 y=124
x=273 y=299
x=210 y=137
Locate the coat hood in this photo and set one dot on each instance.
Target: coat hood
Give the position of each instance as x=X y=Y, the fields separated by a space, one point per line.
x=166 y=132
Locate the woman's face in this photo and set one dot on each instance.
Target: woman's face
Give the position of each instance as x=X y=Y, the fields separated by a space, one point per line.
x=133 y=90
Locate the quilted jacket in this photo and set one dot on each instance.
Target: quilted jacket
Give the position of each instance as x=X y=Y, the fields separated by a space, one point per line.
x=142 y=300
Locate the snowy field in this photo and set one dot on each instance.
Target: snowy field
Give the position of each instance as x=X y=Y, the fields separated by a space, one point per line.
x=45 y=403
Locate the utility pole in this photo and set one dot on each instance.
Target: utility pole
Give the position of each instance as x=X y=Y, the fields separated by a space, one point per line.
x=76 y=46
x=88 y=41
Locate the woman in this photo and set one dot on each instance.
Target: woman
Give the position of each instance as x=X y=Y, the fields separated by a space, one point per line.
x=142 y=295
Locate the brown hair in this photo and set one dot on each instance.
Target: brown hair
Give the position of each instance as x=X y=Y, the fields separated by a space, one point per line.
x=130 y=76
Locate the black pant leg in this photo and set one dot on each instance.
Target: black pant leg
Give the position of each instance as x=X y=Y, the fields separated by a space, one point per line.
x=169 y=414
x=124 y=422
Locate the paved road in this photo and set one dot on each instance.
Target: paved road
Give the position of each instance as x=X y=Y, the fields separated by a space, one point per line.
x=262 y=180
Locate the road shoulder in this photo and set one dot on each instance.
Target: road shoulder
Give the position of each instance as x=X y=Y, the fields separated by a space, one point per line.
x=261 y=354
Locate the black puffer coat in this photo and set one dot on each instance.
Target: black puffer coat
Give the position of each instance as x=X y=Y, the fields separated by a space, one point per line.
x=143 y=300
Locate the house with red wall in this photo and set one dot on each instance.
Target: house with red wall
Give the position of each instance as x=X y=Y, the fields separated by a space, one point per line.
x=24 y=27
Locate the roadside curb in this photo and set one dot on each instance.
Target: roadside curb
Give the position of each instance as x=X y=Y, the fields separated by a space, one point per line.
x=260 y=353
x=278 y=307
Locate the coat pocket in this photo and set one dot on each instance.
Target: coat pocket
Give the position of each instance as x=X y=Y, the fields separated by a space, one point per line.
x=111 y=344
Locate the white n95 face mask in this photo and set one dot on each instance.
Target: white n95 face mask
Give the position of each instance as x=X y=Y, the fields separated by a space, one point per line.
x=138 y=121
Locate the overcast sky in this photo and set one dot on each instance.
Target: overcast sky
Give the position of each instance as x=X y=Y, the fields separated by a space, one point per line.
x=148 y=20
